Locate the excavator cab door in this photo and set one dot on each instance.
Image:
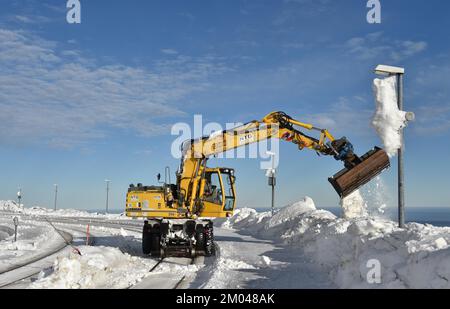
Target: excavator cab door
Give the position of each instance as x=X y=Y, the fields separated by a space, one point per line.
x=218 y=196
x=228 y=183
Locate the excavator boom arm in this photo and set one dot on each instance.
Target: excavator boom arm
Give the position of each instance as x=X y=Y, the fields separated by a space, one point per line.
x=279 y=125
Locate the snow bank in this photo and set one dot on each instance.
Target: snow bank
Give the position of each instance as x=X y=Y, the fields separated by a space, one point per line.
x=388 y=119
x=98 y=267
x=12 y=206
x=415 y=257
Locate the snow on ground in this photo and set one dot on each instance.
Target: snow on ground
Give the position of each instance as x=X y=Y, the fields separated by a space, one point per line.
x=345 y=248
x=97 y=267
x=388 y=119
x=12 y=206
x=33 y=238
x=299 y=247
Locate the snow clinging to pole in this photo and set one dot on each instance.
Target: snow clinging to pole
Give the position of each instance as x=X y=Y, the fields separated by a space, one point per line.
x=388 y=119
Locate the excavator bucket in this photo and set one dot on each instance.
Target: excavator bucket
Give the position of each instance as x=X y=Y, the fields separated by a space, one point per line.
x=349 y=180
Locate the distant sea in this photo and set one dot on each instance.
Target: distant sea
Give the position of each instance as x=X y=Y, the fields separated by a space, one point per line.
x=437 y=216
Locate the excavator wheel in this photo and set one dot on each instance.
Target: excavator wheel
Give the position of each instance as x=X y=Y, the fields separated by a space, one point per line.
x=156 y=246
x=200 y=239
x=209 y=237
x=146 y=241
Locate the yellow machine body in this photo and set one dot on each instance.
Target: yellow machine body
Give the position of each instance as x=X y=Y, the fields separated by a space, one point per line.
x=217 y=194
x=201 y=193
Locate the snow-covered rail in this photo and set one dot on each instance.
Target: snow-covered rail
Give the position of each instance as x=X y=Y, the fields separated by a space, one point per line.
x=34 y=265
x=57 y=248
x=122 y=235
x=162 y=279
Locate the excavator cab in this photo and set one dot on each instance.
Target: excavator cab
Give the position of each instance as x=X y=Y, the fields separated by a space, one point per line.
x=218 y=194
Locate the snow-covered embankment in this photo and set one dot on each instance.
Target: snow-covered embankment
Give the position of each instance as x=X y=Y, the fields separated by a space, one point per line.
x=415 y=257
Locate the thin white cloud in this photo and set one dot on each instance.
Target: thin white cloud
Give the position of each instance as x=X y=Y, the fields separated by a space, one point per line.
x=56 y=96
x=375 y=45
x=187 y=15
x=31 y=19
x=349 y=115
x=169 y=51
x=292 y=10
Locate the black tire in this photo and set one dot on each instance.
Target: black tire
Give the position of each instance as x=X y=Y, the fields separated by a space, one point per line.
x=146 y=242
x=209 y=241
x=200 y=239
x=156 y=245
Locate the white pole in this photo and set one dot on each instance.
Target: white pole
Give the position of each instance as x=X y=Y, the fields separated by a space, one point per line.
x=399 y=73
x=107 y=193
x=401 y=175
x=56 y=195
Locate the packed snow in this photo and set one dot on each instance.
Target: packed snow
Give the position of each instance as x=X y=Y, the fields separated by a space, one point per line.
x=32 y=239
x=97 y=267
x=388 y=119
x=345 y=248
x=12 y=206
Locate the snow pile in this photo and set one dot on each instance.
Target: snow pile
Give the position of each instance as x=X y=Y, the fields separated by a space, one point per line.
x=415 y=257
x=10 y=206
x=97 y=267
x=242 y=217
x=41 y=211
x=353 y=206
x=388 y=119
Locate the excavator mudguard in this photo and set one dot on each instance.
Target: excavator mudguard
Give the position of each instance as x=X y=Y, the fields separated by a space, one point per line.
x=349 y=180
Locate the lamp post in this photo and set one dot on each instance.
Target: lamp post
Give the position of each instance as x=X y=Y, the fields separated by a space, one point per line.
x=107 y=193
x=19 y=195
x=270 y=173
x=386 y=70
x=56 y=195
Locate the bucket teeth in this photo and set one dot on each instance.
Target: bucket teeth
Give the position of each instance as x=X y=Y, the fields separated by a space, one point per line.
x=349 y=180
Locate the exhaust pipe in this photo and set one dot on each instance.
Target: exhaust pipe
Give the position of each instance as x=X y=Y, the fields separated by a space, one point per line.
x=367 y=167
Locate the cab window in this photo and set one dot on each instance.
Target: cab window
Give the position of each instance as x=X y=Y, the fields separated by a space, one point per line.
x=212 y=191
x=227 y=180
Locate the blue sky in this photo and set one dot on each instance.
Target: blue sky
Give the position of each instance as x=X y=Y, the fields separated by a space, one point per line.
x=82 y=103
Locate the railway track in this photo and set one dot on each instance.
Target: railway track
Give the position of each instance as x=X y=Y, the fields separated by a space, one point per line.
x=23 y=275
x=31 y=268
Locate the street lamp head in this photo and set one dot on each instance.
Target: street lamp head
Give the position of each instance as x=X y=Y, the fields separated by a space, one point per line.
x=388 y=70
x=410 y=116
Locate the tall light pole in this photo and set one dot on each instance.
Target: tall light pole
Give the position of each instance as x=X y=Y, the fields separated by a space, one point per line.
x=272 y=178
x=107 y=193
x=19 y=195
x=56 y=194
x=386 y=70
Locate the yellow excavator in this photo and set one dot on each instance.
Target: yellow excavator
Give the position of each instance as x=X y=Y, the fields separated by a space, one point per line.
x=178 y=217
